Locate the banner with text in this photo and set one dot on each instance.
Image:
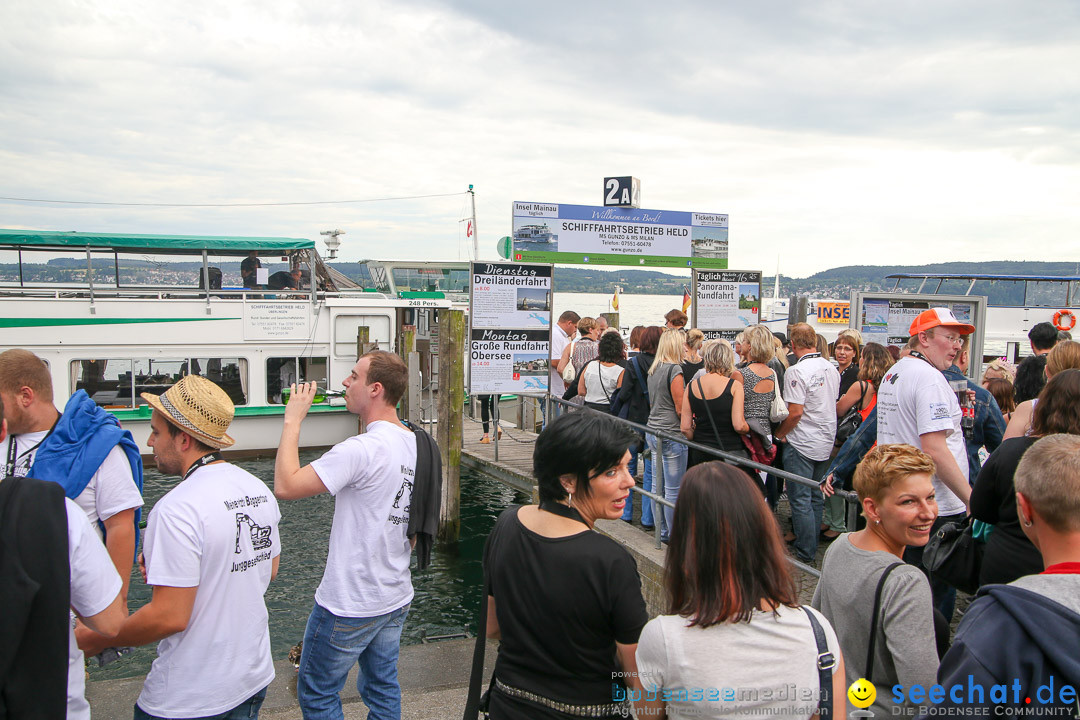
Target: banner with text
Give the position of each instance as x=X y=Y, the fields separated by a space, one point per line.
x=889 y=321
x=726 y=303
x=584 y=234
x=833 y=312
x=509 y=328
x=509 y=361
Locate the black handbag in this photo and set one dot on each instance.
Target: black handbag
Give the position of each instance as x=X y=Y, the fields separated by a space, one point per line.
x=847 y=425
x=955 y=556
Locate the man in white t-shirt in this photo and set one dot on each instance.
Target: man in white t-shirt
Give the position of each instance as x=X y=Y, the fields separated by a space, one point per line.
x=561 y=334
x=210 y=551
x=363 y=599
x=94 y=591
x=810 y=389
x=110 y=496
x=917 y=407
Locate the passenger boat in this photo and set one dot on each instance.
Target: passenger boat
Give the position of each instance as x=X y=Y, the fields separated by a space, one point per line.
x=116 y=315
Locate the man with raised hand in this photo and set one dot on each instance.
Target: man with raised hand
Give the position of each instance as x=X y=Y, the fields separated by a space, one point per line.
x=210 y=551
x=363 y=599
x=916 y=406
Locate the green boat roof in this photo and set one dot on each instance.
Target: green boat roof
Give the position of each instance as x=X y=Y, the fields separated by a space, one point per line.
x=157 y=243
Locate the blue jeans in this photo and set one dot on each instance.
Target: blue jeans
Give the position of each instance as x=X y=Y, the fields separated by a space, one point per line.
x=671 y=467
x=332 y=645
x=646 y=503
x=247 y=709
x=807 y=503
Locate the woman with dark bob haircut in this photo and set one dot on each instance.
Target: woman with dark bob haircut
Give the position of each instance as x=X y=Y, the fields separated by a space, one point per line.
x=600 y=380
x=734 y=619
x=564 y=600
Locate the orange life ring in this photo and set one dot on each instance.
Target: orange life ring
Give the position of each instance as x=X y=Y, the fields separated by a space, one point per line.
x=1064 y=320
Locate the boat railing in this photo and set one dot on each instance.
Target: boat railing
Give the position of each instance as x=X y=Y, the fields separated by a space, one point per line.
x=53 y=291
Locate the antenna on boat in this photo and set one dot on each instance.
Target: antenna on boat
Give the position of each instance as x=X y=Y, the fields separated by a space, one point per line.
x=333 y=242
x=475 y=241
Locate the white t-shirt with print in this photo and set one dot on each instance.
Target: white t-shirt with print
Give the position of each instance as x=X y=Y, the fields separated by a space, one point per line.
x=771 y=659
x=111 y=490
x=94 y=586
x=559 y=341
x=217 y=530
x=915 y=399
x=371 y=478
x=813 y=383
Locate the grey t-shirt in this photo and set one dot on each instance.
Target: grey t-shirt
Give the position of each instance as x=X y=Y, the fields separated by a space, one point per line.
x=905 y=651
x=662 y=415
x=1062 y=589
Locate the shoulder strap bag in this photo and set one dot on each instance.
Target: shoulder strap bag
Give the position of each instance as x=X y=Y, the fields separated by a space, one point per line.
x=826 y=663
x=778 y=410
x=953 y=555
x=640 y=378
x=874 y=621
x=569 y=374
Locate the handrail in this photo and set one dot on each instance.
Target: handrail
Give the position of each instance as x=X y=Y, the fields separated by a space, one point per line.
x=851 y=500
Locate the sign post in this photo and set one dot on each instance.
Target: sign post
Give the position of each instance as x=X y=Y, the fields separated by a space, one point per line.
x=725 y=302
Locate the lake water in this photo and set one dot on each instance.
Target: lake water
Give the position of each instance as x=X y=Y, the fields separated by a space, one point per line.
x=447 y=593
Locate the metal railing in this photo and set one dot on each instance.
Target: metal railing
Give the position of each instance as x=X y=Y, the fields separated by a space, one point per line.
x=851 y=500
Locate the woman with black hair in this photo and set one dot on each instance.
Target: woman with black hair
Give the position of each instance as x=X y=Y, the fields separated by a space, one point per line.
x=600 y=380
x=734 y=621
x=565 y=601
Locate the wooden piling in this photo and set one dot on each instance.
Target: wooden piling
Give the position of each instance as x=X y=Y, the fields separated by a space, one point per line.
x=452 y=328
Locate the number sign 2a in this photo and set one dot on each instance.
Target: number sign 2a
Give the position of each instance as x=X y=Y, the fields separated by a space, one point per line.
x=622 y=192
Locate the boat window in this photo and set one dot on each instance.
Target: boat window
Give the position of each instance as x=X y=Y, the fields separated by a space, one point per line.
x=281 y=372
x=424 y=279
x=345 y=327
x=119 y=383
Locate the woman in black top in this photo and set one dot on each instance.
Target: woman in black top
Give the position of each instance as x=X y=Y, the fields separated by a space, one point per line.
x=1009 y=554
x=712 y=411
x=565 y=601
x=692 y=361
x=846 y=354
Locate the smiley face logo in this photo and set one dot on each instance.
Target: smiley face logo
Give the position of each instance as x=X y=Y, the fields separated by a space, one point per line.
x=862 y=693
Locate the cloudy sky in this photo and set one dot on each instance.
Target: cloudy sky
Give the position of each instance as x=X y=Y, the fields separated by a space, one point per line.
x=832 y=132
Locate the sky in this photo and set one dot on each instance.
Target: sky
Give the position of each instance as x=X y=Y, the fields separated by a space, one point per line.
x=832 y=132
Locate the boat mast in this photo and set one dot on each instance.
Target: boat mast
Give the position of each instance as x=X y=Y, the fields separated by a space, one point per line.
x=475 y=240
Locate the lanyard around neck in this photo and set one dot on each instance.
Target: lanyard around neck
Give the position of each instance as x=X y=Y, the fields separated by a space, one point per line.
x=204 y=460
x=13 y=455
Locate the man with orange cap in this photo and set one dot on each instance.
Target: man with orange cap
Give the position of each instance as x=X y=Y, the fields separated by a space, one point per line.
x=917 y=407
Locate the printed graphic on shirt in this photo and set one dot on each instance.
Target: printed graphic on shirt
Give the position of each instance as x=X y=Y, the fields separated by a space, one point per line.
x=403 y=498
x=260 y=535
x=816 y=381
x=939 y=411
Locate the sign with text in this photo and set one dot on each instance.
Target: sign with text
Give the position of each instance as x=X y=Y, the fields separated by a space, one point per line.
x=622 y=191
x=277 y=320
x=509 y=328
x=509 y=361
x=886 y=318
x=583 y=234
x=510 y=295
x=833 y=312
x=727 y=301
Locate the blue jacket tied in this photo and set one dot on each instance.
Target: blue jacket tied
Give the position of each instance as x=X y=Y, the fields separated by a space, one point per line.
x=77 y=446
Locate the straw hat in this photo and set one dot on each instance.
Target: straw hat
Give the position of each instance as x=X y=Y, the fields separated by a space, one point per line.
x=198 y=407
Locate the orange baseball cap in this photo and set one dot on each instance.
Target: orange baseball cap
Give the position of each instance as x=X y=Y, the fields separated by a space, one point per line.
x=938 y=317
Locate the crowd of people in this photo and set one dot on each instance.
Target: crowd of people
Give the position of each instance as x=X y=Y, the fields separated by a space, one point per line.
x=918 y=443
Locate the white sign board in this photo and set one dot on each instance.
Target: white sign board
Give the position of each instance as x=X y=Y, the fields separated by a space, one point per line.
x=885 y=318
x=552 y=232
x=509 y=328
x=726 y=301
x=510 y=295
x=277 y=320
x=509 y=361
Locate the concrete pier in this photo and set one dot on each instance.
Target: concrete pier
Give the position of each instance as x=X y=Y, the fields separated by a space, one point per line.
x=434 y=684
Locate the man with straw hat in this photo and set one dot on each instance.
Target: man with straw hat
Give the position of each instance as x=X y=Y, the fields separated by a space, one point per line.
x=210 y=551
x=363 y=599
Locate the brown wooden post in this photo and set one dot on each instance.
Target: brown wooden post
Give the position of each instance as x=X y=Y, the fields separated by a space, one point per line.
x=406 y=346
x=452 y=328
x=362 y=346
